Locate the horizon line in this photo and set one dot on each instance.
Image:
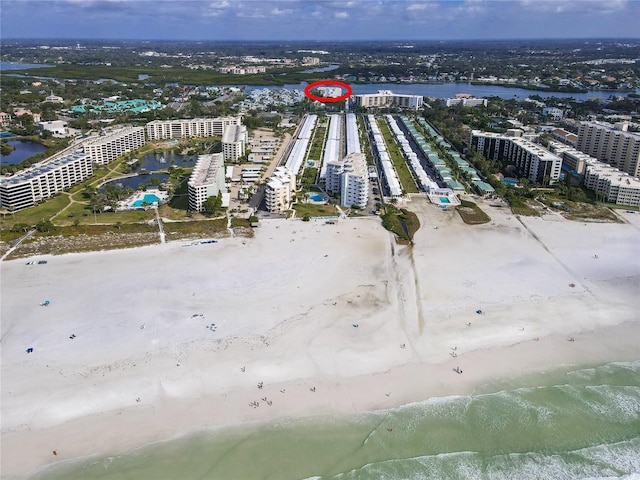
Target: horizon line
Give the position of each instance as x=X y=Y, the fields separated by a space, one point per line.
x=77 y=39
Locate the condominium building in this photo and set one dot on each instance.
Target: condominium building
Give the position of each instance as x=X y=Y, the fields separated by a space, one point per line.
x=564 y=136
x=467 y=102
x=279 y=190
x=611 y=144
x=106 y=148
x=206 y=180
x=41 y=181
x=553 y=113
x=190 y=128
x=233 y=142
x=531 y=160
x=386 y=98
x=350 y=178
x=609 y=183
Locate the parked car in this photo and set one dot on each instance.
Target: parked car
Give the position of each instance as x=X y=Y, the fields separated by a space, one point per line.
x=42 y=262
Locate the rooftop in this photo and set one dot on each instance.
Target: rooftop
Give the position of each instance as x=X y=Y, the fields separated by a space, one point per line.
x=205 y=171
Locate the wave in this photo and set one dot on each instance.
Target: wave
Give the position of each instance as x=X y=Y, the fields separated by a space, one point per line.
x=618 y=460
x=578 y=424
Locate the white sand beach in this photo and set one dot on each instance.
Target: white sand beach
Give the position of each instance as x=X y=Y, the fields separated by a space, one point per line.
x=170 y=339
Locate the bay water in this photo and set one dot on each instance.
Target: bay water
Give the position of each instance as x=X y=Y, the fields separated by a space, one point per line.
x=582 y=423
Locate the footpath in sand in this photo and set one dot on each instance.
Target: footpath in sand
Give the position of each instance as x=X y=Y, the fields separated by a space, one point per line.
x=145 y=344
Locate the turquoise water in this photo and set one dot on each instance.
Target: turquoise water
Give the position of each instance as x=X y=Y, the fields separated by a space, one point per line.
x=316 y=198
x=148 y=198
x=444 y=200
x=564 y=425
x=510 y=181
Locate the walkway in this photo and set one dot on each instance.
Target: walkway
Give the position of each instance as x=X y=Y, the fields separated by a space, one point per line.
x=17 y=244
x=160 y=226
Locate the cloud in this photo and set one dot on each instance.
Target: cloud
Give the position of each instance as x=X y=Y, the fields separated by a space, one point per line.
x=367 y=19
x=276 y=11
x=574 y=7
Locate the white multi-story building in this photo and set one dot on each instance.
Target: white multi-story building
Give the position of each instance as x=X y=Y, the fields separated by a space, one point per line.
x=106 y=148
x=279 y=190
x=611 y=184
x=190 y=128
x=554 y=113
x=233 y=142
x=607 y=181
x=611 y=144
x=386 y=98
x=56 y=127
x=332 y=145
x=467 y=102
x=206 y=180
x=531 y=160
x=350 y=178
x=41 y=181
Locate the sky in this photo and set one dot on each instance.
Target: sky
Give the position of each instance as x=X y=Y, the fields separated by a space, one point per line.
x=340 y=20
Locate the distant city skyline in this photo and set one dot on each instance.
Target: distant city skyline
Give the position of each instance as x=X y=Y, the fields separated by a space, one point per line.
x=324 y=20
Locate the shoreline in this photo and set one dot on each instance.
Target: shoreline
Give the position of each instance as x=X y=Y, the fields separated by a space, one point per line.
x=162 y=333
x=403 y=376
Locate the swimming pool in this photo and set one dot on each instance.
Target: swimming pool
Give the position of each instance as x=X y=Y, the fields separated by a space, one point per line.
x=316 y=198
x=444 y=200
x=148 y=199
x=510 y=181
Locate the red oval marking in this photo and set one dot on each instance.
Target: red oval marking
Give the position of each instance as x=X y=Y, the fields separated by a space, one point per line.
x=308 y=88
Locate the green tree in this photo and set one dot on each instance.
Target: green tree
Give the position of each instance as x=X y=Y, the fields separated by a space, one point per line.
x=20 y=227
x=213 y=204
x=45 y=226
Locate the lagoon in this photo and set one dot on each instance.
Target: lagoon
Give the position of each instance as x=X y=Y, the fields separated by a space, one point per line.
x=321 y=69
x=138 y=181
x=21 y=66
x=23 y=150
x=160 y=161
x=450 y=89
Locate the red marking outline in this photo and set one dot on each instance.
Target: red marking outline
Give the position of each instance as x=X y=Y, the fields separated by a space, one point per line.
x=328 y=99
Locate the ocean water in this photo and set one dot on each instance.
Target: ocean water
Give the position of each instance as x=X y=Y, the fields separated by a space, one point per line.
x=577 y=424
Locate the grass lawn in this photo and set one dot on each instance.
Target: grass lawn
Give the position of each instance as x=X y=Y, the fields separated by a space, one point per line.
x=240 y=222
x=365 y=145
x=471 y=213
x=33 y=215
x=521 y=207
x=84 y=215
x=587 y=211
x=309 y=175
x=401 y=222
x=129 y=228
x=175 y=230
x=397 y=158
x=315 y=210
x=167 y=211
x=315 y=152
